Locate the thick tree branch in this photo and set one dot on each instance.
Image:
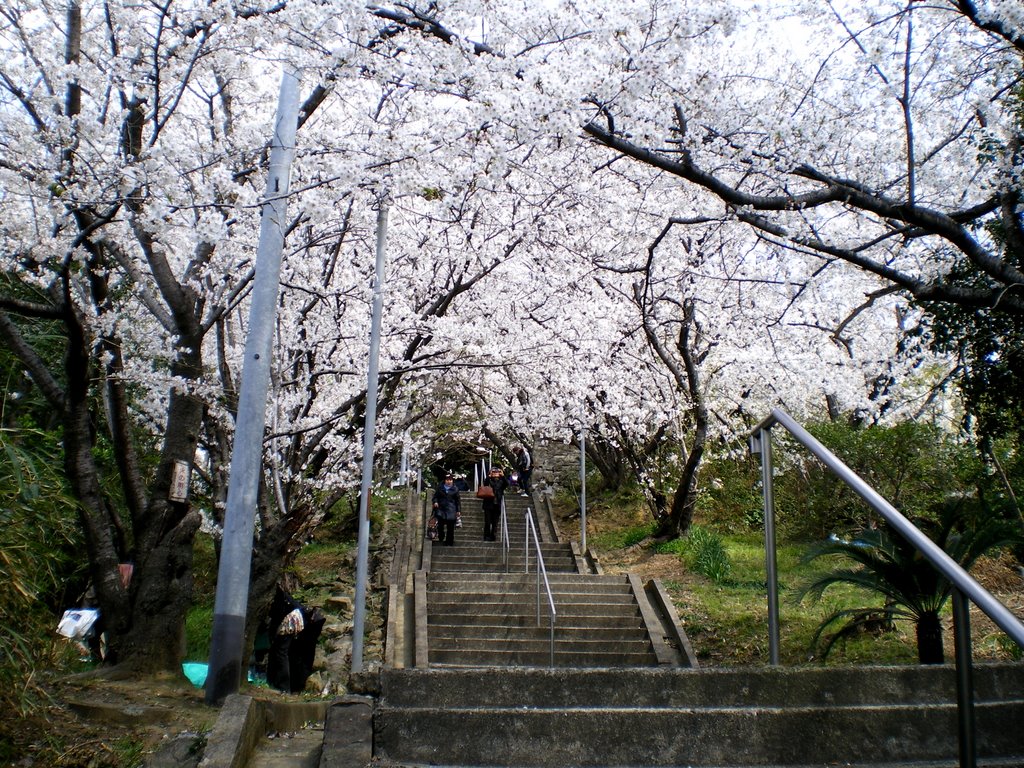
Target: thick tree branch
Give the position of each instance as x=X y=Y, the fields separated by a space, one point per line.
x=969 y=8
x=34 y=364
x=748 y=208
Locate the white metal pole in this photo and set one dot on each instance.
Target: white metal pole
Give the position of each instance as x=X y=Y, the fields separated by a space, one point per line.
x=362 y=554
x=583 y=488
x=403 y=472
x=225 y=666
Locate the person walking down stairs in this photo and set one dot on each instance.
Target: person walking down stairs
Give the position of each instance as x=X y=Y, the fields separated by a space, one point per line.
x=447 y=507
x=491 y=501
x=524 y=465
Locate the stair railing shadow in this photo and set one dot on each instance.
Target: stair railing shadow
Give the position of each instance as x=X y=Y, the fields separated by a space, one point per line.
x=542 y=572
x=964 y=587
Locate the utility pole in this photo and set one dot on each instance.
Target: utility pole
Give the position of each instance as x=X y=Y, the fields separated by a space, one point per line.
x=362 y=554
x=225 y=666
x=583 y=487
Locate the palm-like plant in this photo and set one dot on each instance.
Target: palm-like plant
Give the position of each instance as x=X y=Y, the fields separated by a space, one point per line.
x=884 y=563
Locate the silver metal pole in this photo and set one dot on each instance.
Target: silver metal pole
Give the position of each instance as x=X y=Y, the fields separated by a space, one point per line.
x=771 y=567
x=551 y=638
x=583 y=489
x=966 y=729
x=526 y=544
x=362 y=555
x=225 y=667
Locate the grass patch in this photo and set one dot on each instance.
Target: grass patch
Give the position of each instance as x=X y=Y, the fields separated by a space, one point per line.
x=318 y=563
x=727 y=618
x=198 y=631
x=622 y=538
x=721 y=596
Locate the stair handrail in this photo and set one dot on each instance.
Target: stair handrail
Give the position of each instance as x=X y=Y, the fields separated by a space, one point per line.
x=506 y=542
x=542 y=572
x=965 y=586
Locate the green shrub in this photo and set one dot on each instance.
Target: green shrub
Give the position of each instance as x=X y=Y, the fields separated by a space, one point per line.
x=704 y=552
x=915 y=466
x=713 y=561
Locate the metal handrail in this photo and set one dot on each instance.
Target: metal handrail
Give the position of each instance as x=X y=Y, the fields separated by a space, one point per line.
x=964 y=585
x=541 y=572
x=506 y=542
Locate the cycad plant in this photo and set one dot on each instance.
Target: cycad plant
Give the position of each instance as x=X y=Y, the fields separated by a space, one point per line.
x=880 y=561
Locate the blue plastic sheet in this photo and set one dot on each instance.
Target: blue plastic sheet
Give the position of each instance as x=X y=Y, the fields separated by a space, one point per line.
x=195 y=671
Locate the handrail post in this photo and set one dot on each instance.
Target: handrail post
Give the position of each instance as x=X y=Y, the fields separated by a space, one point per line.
x=761 y=443
x=503 y=525
x=542 y=572
x=538 y=596
x=529 y=527
x=964 y=679
x=552 y=641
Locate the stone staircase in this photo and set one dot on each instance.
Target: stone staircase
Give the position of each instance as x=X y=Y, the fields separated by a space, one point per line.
x=477 y=605
x=683 y=717
x=501 y=621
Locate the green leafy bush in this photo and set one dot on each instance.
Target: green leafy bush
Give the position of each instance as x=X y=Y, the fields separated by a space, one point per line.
x=704 y=552
x=916 y=467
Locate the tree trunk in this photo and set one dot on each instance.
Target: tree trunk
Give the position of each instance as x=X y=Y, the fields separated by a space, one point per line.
x=608 y=461
x=685 y=500
x=929 y=639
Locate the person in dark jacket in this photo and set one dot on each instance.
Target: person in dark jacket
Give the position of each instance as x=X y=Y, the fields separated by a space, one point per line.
x=447 y=508
x=492 y=507
x=279 y=656
x=292 y=642
x=524 y=465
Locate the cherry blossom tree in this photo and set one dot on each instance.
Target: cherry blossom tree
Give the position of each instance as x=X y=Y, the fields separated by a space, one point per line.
x=623 y=217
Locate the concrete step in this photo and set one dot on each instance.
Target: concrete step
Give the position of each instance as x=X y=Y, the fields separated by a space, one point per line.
x=294 y=749
x=530 y=619
x=740 y=687
x=472 y=540
x=539 y=657
x=472 y=564
x=540 y=642
x=442 y=555
x=673 y=717
x=489 y=565
x=469 y=548
x=514 y=597
x=528 y=630
x=560 y=583
x=496 y=605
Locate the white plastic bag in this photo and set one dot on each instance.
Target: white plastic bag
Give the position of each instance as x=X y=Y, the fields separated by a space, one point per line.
x=76 y=622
